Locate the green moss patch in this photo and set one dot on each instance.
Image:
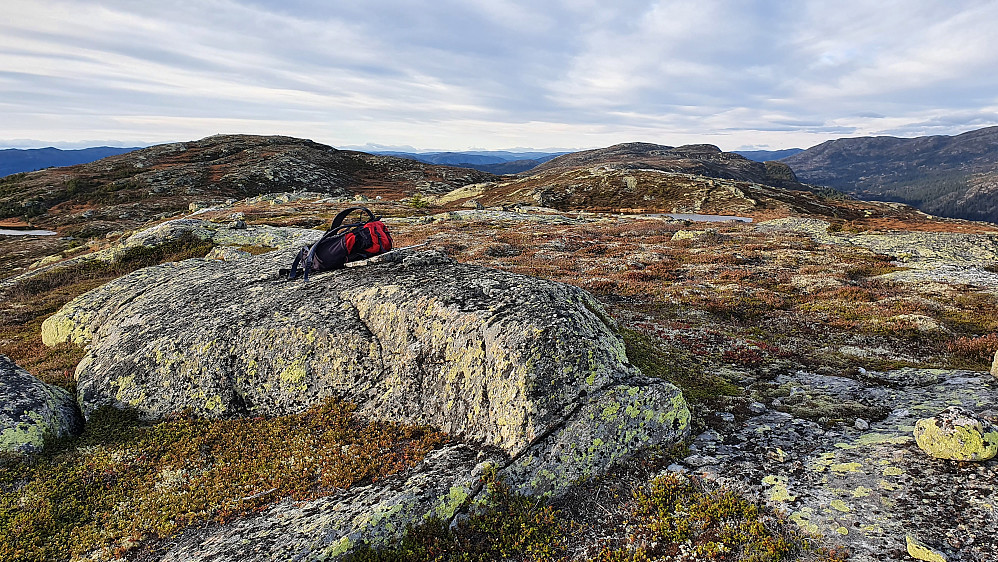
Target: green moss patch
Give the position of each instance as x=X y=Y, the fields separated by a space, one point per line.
x=123 y=482
x=657 y=360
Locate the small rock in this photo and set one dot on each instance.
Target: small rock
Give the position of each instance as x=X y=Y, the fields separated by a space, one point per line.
x=956 y=434
x=920 y=551
x=757 y=408
x=237 y=225
x=700 y=460
x=862 y=424
x=994 y=365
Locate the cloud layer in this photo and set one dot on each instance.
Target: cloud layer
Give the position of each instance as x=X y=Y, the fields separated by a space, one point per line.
x=449 y=74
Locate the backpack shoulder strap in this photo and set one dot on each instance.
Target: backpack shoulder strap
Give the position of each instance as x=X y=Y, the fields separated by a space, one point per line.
x=342 y=215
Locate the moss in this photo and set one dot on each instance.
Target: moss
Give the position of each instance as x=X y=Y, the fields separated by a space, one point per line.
x=674 y=513
x=106 y=490
x=657 y=360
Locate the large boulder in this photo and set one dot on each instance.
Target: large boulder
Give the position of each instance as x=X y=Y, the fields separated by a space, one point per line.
x=31 y=411
x=530 y=366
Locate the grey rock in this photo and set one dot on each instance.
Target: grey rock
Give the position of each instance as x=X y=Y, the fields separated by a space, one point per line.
x=31 y=411
x=532 y=367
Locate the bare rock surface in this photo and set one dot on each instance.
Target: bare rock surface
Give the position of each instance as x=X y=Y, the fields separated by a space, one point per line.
x=862 y=482
x=31 y=411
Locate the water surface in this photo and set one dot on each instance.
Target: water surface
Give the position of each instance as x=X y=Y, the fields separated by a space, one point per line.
x=702 y=218
x=12 y=232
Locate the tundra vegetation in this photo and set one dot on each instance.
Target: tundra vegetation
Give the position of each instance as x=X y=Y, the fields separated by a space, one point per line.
x=719 y=314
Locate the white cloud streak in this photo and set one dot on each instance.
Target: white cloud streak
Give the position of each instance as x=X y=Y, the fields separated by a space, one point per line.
x=454 y=74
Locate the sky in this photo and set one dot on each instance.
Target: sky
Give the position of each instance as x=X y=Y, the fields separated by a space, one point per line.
x=495 y=74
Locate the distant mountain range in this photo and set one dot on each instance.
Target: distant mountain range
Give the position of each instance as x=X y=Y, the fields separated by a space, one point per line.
x=15 y=160
x=767 y=155
x=950 y=176
x=492 y=161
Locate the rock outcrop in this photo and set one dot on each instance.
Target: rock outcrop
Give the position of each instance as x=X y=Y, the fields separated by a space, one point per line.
x=532 y=367
x=31 y=411
x=956 y=434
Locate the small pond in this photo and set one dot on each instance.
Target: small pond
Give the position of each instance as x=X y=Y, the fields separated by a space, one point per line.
x=702 y=218
x=12 y=232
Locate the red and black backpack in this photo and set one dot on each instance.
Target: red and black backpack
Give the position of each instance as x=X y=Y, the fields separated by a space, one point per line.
x=342 y=243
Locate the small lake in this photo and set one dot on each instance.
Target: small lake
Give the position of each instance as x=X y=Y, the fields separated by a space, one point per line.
x=702 y=218
x=12 y=232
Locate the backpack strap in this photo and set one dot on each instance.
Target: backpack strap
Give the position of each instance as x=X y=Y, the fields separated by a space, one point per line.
x=293 y=274
x=342 y=215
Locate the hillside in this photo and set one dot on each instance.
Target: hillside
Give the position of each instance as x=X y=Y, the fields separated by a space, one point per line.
x=700 y=159
x=15 y=160
x=123 y=191
x=649 y=178
x=767 y=155
x=951 y=176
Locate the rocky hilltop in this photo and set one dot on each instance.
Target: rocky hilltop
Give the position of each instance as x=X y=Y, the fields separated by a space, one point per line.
x=698 y=159
x=952 y=176
x=129 y=189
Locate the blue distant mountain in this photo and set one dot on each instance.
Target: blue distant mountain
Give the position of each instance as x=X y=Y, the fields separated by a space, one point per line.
x=768 y=155
x=492 y=161
x=15 y=160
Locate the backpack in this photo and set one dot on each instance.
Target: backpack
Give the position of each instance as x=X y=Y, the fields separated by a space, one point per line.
x=342 y=243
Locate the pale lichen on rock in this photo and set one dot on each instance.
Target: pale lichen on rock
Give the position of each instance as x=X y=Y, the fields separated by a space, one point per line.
x=32 y=411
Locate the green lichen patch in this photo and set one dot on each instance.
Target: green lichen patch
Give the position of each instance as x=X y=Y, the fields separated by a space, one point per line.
x=964 y=442
x=123 y=482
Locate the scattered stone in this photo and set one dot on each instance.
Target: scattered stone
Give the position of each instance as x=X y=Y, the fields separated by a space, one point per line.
x=696 y=235
x=237 y=224
x=757 y=408
x=956 y=434
x=31 y=411
x=861 y=424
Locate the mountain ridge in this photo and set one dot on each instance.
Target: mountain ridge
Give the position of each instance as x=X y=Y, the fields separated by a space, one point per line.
x=951 y=176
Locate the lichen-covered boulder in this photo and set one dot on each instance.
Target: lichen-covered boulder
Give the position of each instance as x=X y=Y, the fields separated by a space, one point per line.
x=31 y=411
x=509 y=361
x=956 y=434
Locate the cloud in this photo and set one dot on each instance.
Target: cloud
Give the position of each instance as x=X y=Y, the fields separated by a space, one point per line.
x=497 y=73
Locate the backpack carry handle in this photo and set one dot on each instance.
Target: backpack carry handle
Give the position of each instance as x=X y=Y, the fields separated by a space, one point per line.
x=342 y=215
